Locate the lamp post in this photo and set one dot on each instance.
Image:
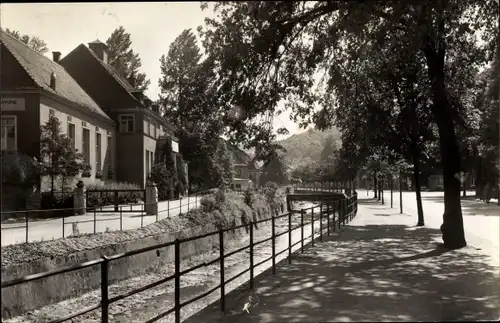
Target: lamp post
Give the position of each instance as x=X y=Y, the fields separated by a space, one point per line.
x=400 y=192
x=392 y=188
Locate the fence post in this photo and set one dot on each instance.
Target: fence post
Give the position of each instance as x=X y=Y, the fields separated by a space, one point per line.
x=222 y=278
x=116 y=201
x=312 y=226
x=328 y=219
x=334 y=211
x=321 y=223
x=302 y=211
x=121 y=218
x=273 y=241
x=63 y=224
x=188 y=204
x=168 y=208
x=251 y=254
x=142 y=218
x=177 y=283
x=345 y=211
x=289 y=237
x=180 y=205
x=27 y=220
x=339 y=208
x=104 y=290
x=95 y=221
x=400 y=194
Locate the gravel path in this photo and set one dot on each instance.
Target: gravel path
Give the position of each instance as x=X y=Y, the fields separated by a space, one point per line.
x=145 y=305
x=381 y=268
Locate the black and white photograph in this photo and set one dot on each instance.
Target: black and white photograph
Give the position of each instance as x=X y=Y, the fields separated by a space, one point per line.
x=250 y=161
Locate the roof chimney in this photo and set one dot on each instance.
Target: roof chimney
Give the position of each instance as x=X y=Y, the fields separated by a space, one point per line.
x=56 y=56
x=100 y=49
x=53 y=81
x=131 y=80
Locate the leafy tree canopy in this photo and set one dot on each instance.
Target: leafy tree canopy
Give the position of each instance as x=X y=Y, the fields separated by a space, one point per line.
x=124 y=60
x=32 y=41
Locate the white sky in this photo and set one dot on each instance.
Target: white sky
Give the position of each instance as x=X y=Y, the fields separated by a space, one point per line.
x=153 y=26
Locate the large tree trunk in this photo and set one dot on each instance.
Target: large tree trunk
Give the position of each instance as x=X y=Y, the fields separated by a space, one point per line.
x=416 y=175
x=452 y=228
x=375 y=188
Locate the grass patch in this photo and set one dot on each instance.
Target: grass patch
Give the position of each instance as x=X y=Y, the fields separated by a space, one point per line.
x=220 y=209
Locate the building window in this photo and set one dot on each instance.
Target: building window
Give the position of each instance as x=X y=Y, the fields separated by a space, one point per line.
x=238 y=172
x=149 y=125
x=71 y=133
x=86 y=145
x=98 y=155
x=9 y=133
x=109 y=156
x=147 y=164
x=127 y=123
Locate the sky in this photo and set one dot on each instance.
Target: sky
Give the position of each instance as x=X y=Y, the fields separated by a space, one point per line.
x=153 y=26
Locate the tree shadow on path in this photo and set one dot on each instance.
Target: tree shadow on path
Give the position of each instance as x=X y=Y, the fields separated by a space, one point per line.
x=371 y=273
x=470 y=206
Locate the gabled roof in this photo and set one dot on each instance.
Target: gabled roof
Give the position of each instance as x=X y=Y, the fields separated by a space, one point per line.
x=40 y=68
x=120 y=79
x=239 y=156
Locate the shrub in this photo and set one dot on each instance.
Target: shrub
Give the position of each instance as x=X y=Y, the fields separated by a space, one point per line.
x=165 y=180
x=220 y=196
x=208 y=203
x=269 y=190
x=56 y=201
x=108 y=198
x=249 y=196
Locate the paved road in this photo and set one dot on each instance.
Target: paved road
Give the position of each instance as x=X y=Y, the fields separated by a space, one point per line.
x=481 y=220
x=14 y=233
x=379 y=268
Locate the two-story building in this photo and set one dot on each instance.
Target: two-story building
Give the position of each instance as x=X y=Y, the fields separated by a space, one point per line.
x=245 y=171
x=141 y=130
x=34 y=87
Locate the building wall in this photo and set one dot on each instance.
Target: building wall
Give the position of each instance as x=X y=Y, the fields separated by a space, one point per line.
x=27 y=113
x=18 y=86
x=81 y=120
x=13 y=75
x=240 y=172
x=254 y=176
x=96 y=80
x=129 y=157
x=149 y=148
